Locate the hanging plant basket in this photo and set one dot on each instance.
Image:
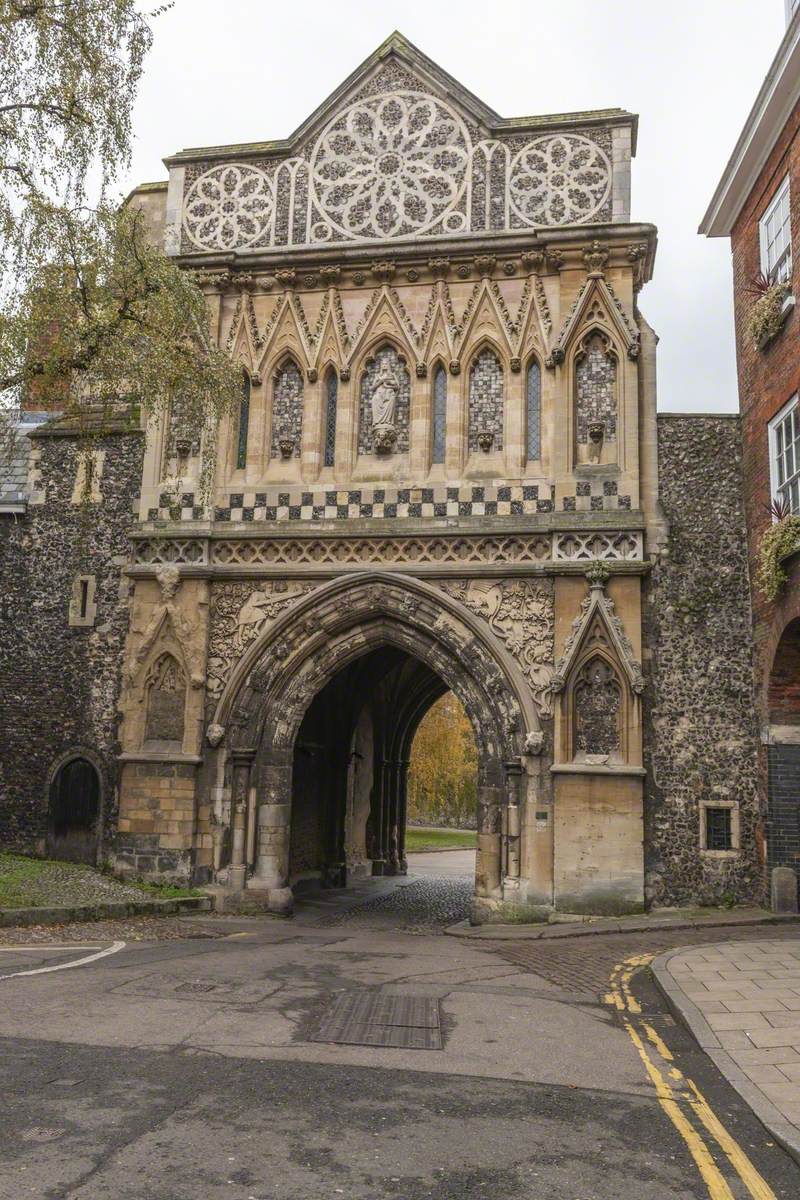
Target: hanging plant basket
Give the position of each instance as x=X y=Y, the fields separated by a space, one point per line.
x=778 y=542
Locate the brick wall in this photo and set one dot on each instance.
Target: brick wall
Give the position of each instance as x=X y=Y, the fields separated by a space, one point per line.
x=768 y=377
x=59 y=684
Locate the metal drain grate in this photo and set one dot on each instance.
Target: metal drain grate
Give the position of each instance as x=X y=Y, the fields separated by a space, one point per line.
x=406 y=1022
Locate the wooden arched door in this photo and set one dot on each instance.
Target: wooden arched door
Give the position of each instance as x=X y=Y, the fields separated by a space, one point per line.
x=73 y=824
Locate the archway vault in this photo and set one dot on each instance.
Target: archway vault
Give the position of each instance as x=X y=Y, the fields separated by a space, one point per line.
x=276 y=681
x=308 y=644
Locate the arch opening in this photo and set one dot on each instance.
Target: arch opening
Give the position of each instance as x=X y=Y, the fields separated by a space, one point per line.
x=73 y=817
x=350 y=769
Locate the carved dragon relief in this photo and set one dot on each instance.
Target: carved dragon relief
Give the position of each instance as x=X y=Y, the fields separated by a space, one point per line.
x=521 y=614
x=239 y=613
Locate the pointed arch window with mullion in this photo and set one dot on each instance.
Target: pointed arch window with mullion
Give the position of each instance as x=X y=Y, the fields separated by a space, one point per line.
x=244 y=423
x=439 y=439
x=331 y=397
x=533 y=413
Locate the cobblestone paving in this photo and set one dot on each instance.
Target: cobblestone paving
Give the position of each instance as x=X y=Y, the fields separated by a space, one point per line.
x=422 y=906
x=585 y=963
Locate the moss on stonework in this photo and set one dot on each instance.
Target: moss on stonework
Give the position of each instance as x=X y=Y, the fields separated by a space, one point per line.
x=777 y=543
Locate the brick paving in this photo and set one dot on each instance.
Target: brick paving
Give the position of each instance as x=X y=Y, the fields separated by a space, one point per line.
x=585 y=963
x=742 y=1002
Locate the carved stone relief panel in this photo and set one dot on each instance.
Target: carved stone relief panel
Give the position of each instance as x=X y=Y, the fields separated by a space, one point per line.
x=520 y=612
x=239 y=613
x=597 y=700
x=166 y=701
x=398 y=161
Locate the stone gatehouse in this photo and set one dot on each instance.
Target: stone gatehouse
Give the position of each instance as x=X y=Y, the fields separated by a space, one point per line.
x=445 y=472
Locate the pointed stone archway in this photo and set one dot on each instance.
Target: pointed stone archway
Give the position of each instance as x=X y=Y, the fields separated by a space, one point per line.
x=275 y=684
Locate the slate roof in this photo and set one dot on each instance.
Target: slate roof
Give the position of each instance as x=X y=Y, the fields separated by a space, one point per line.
x=14 y=459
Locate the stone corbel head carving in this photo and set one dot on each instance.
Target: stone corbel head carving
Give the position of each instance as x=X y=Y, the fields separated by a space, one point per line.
x=534 y=742
x=486 y=440
x=214 y=734
x=286 y=445
x=597 y=432
x=384 y=438
x=169 y=580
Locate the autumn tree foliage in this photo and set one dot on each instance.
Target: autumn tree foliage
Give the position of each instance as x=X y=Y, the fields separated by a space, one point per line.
x=90 y=311
x=442 y=779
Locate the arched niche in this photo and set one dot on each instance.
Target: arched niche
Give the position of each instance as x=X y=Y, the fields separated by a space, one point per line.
x=486 y=402
x=165 y=703
x=596 y=391
x=286 y=420
x=384 y=401
x=598 y=711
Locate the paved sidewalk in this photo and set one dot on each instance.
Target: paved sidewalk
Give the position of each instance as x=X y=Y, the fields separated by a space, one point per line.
x=741 y=1000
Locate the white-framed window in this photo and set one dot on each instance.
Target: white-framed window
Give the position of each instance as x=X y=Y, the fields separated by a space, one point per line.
x=784 y=454
x=775 y=232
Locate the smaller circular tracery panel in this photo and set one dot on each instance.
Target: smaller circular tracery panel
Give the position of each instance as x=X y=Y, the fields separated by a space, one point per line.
x=228 y=207
x=391 y=165
x=561 y=179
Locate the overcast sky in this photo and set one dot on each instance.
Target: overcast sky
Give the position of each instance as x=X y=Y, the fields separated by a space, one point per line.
x=245 y=70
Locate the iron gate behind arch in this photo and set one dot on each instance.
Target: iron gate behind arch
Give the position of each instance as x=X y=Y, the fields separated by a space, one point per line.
x=73 y=824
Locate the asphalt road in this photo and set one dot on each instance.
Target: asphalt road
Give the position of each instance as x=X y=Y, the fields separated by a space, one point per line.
x=182 y=1070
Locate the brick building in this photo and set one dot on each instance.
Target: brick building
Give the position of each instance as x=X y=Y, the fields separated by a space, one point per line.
x=757 y=205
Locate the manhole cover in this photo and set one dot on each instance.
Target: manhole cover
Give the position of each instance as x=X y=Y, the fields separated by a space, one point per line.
x=406 y=1022
x=195 y=985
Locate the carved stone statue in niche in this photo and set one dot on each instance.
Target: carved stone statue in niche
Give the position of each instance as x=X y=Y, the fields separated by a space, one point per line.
x=384 y=397
x=598 y=700
x=383 y=402
x=166 y=697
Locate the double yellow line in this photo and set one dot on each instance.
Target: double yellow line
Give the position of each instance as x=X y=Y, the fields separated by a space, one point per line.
x=680 y=1097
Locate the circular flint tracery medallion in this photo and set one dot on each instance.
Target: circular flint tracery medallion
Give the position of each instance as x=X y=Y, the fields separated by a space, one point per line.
x=391 y=165
x=228 y=207
x=560 y=179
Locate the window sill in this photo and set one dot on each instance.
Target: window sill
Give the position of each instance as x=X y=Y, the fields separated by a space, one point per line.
x=577 y=768
x=173 y=756
x=719 y=853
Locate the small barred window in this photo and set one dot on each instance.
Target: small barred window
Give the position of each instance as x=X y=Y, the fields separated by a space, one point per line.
x=719 y=833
